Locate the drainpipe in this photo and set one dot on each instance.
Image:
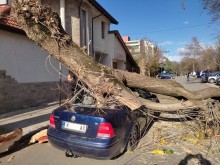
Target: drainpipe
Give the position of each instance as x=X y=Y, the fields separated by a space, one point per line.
x=93 y=32
x=62 y=17
x=79 y=16
x=87 y=31
x=62 y=13
x=80 y=8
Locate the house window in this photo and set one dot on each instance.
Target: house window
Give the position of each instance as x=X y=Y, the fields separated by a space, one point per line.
x=115 y=65
x=103 y=30
x=100 y=57
x=83 y=28
x=3 y=2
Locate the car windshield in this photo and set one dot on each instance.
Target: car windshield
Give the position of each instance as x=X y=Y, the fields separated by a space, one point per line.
x=82 y=97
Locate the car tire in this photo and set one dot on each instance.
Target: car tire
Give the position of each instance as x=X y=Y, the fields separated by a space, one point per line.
x=212 y=80
x=133 y=138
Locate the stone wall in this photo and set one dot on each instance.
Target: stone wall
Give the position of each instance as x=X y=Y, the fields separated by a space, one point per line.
x=15 y=96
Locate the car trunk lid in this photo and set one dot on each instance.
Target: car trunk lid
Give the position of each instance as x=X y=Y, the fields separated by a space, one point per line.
x=85 y=121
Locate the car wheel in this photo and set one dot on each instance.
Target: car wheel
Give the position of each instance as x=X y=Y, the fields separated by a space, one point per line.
x=133 y=138
x=212 y=80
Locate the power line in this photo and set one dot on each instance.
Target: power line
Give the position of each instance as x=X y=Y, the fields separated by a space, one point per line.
x=171 y=29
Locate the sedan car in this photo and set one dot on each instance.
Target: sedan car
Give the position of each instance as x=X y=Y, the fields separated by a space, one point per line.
x=217 y=82
x=165 y=76
x=204 y=79
x=204 y=76
x=212 y=78
x=100 y=133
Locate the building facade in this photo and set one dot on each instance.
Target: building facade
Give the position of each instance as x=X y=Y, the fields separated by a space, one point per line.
x=145 y=54
x=136 y=46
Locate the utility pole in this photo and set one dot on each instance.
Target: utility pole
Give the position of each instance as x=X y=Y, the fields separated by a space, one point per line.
x=62 y=16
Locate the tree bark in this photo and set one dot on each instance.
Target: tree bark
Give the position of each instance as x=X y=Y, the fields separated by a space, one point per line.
x=43 y=26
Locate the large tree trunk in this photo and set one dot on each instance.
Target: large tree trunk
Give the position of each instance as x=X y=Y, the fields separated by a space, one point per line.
x=43 y=26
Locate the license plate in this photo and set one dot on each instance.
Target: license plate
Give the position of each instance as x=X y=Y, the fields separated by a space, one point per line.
x=74 y=126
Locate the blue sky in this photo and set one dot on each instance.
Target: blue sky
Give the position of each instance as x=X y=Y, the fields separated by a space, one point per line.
x=162 y=21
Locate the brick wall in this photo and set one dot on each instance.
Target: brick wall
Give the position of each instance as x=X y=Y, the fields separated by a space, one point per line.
x=15 y=96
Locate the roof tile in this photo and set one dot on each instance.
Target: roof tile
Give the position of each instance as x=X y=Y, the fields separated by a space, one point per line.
x=5 y=10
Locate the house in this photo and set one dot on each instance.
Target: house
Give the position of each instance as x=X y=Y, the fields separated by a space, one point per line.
x=89 y=25
x=121 y=55
x=29 y=77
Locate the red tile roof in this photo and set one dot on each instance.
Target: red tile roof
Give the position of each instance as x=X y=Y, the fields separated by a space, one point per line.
x=126 y=38
x=4 y=9
x=7 y=21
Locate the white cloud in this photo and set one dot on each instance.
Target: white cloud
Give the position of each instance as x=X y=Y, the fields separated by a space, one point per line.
x=176 y=58
x=182 y=50
x=186 y=22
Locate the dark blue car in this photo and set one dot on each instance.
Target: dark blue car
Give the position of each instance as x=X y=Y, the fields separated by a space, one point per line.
x=84 y=130
x=204 y=76
x=165 y=76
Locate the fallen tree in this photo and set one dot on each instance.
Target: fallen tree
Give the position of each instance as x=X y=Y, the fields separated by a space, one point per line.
x=43 y=26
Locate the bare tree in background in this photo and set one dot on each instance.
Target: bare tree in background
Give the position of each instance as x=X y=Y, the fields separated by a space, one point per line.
x=217 y=55
x=213 y=8
x=193 y=50
x=208 y=58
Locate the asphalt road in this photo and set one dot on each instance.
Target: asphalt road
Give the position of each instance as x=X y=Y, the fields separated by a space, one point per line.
x=193 y=84
x=165 y=135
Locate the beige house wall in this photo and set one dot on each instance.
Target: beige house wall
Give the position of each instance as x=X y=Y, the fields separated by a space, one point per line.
x=25 y=61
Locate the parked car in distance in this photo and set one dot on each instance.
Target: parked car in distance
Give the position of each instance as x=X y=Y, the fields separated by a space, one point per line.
x=100 y=133
x=217 y=82
x=165 y=76
x=213 y=76
x=198 y=74
x=204 y=72
x=203 y=79
x=204 y=76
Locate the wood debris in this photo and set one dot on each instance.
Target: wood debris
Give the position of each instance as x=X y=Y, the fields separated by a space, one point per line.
x=40 y=137
x=8 y=140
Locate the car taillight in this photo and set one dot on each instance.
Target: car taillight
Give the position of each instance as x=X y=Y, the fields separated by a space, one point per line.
x=105 y=130
x=52 y=122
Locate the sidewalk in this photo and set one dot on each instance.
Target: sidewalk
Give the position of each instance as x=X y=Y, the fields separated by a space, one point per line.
x=30 y=120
